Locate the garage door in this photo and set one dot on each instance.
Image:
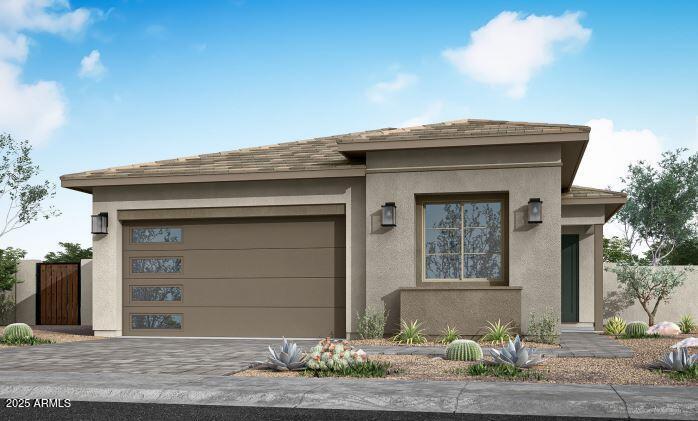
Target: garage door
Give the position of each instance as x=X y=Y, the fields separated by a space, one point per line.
x=266 y=277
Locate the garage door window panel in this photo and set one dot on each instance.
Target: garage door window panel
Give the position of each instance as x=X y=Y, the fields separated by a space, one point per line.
x=156 y=293
x=156 y=265
x=156 y=321
x=156 y=235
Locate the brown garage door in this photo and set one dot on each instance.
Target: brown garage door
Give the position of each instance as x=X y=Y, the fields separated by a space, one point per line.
x=266 y=277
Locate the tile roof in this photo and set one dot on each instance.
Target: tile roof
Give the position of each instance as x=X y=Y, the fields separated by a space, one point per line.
x=318 y=153
x=579 y=192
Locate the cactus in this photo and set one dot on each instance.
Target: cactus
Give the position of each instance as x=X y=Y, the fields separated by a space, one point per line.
x=335 y=356
x=615 y=326
x=636 y=329
x=17 y=332
x=463 y=350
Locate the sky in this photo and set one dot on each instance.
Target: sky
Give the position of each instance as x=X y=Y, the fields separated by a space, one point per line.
x=94 y=84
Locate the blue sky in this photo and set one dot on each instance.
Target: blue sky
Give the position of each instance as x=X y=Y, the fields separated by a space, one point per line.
x=165 y=79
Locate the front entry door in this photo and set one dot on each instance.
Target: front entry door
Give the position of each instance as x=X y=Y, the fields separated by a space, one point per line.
x=570 y=278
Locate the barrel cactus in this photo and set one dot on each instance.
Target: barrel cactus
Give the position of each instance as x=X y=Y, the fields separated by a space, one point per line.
x=337 y=355
x=636 y=329
x=17 y=332
x=615 y=326
x=463 y=350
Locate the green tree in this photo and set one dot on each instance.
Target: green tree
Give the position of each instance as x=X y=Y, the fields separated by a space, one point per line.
x=71 y=253
x=617 y=250
x=21 y=200
x=660 y=214
x=662 y=204
x=685 y=253
x=9 y=259
x=649 y=285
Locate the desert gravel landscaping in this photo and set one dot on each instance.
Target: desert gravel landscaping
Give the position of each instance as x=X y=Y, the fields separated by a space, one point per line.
x=635 y=370
x=388 y=343
x=55 y=337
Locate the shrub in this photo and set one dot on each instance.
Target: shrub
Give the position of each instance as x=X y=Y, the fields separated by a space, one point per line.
x=17 y=331
x=337 y=355
x=7 y=309
x=464 y=350
x=448 y=335
x=687 y=324
x=636 y=330
x=372 y=324
x=363 y=369
x=31 y=340
x=614 y=326
x=497 y=332
x=544 y=328
x=410 y=333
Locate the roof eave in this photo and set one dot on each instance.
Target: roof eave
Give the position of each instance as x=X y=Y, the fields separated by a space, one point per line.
x=87 y=184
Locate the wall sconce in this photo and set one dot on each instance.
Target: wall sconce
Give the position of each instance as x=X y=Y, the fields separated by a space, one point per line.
x=99 y=223
x=535 y=210
x=389 y=215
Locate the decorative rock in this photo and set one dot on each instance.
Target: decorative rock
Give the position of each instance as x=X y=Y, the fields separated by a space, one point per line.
x=664 y=329
x=688 y=342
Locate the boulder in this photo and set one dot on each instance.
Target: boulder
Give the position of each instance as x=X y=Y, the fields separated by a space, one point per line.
x=688 y=342
x=664 y=329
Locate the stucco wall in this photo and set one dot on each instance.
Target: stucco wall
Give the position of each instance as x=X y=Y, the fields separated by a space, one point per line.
x=25 y=292
x=534 y=250
x=683 y=301
x=107 y=285
x=437 y=308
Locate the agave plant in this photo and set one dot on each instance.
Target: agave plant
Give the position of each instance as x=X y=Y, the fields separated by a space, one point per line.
x=410 y=333
x=288 y=357
x=515 y=354
x=677 y=360
x=615 y=326
x=497 y=332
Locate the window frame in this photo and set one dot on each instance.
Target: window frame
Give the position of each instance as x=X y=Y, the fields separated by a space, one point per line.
x=423 y=200
x=180 y=315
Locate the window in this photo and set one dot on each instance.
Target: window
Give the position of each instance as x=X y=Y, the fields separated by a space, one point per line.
x=156 y=235
x=463 y=240
x=156 y=321
x=156 y=293
x=156 y=265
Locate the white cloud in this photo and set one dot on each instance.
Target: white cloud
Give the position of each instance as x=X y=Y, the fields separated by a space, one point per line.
x=382 y=90
x=511 y=48
x=91 y=66
x=52 y=16
x=610 y=151
x=33 y=110
x=430 y=115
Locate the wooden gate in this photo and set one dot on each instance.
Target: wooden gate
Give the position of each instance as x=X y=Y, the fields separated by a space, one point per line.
x=58 y=293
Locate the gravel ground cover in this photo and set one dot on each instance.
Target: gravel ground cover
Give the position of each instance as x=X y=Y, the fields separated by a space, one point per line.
x=57 y=337
x=387 y=342
x=556 y=370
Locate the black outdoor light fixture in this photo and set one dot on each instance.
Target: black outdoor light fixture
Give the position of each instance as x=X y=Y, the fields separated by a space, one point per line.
x=389 y=215
x=535 y=210
x=99 y=223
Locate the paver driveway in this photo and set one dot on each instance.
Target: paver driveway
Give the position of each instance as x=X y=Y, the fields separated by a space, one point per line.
x=140 y=356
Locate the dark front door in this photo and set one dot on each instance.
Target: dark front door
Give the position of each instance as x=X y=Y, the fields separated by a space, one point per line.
x=570 y=278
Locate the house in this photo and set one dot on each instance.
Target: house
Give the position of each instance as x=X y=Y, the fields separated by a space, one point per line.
x=454 y=223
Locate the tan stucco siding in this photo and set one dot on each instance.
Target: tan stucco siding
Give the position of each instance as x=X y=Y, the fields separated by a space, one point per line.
x=107 y=277
x=534 y=250
x=583 y=214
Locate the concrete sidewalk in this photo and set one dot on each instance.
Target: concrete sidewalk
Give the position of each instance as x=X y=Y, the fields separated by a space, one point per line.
x=418 y=397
